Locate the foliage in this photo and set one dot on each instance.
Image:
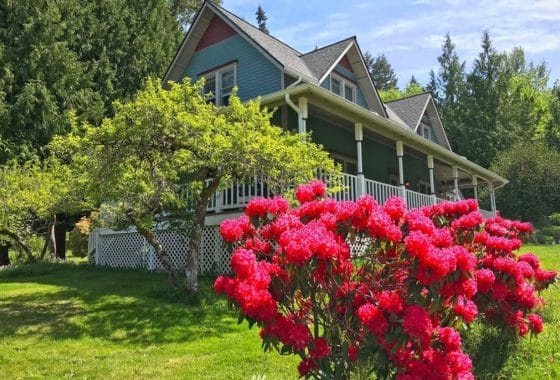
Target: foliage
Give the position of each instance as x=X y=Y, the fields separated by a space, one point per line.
x=533 y=170
x=549 y=232
x=79 y=55
x=79 y=235
x=397 y=308
x=261 y=19
x=381 y=72
x=166 y=141
x=395 y=93
x=31 y=194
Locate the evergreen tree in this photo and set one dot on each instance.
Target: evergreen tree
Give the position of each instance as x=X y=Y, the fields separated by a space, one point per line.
x=450 y=87
x=261 y=19
x=78 y=55
x=381 y=72
x=432 y=86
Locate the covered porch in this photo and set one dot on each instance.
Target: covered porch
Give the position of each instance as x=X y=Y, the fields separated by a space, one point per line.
x=379 y=156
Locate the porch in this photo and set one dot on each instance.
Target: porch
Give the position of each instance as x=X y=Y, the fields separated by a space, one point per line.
x=236 y=195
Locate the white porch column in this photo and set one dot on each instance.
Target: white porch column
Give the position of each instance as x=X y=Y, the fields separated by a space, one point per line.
x=492 y=197
x=302 y=115
x=432 y=184
x=359 y=137
x=400 y=154
x=475 y=186
x=456 y=182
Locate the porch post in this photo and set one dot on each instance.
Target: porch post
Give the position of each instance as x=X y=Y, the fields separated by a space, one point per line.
x=359 y=137
x=302 y=115
x=492 y=198
x=400 y=154
x=456 y=182
x=475 y=186
x=432 y=185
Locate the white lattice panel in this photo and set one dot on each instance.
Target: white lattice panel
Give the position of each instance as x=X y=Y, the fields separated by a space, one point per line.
x=121 y=250
x=359 y=245
x=131 y=250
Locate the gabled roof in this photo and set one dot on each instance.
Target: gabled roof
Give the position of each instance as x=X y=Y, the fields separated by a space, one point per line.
x=313 y=66
x=283 y=53
x=320 y=61
x=411 y=109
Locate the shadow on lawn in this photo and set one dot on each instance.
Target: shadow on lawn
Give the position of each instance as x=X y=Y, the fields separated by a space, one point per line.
x=121 y=306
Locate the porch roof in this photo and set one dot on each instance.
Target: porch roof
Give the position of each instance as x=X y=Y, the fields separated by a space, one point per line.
x=383 y=126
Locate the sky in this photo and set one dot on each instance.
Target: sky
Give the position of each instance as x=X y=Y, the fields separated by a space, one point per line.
x=410 y=33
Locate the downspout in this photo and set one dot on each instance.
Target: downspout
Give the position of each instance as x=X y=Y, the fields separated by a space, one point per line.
x=301 y=112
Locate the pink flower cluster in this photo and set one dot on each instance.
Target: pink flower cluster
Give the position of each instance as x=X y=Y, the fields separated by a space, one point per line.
x=423 y=272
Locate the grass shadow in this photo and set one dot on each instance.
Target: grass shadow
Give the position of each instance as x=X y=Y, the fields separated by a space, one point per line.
x=127 y=306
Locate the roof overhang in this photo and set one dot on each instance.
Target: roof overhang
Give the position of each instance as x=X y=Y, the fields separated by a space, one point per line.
x=385 y=127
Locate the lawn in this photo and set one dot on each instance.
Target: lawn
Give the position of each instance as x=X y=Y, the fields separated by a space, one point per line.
x=74 y=320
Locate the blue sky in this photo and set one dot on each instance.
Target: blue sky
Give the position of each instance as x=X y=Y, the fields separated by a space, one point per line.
x=410 y=33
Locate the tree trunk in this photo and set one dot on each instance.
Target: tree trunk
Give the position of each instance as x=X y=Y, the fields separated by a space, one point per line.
x=4 y=254
x=60 y=241
x=162 y=254
x=195 y=235
x=20 y=243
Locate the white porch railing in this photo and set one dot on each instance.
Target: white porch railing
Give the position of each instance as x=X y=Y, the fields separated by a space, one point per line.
x=381 y=191
x=415 y=200
x=237 y=194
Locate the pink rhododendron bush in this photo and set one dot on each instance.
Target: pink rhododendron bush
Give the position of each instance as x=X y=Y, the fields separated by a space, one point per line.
x=397 y=307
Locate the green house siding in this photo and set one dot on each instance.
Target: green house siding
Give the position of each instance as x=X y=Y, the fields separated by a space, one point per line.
x=333 y=138
x=256 y=75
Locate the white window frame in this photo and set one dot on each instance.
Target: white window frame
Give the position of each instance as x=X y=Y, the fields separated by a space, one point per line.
x=346 y=163
x=343 y=84
x=217 y=74
x=426 y=131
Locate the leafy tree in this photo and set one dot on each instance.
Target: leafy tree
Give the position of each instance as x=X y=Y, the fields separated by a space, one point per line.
x=185 y=10
x=381 y=72
x=162 y=142
x=261 y=19
x=533 y=170
x=31 y=195
x=395 y=93
x=552 y=133
x=75 y=55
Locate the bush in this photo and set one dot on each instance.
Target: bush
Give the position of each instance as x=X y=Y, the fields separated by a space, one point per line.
x=396 y=309
x=533 y=192
x=78 y=239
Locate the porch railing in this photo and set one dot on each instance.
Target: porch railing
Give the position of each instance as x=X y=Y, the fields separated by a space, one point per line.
x=381 y=191
x=345 y=188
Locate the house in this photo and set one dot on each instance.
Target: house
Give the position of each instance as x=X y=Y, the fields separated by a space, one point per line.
x=399 y=148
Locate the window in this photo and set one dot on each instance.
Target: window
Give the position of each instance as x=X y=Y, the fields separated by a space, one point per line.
x=343 y=87
x=348 y=165
x=219 y=84
x=426 y=131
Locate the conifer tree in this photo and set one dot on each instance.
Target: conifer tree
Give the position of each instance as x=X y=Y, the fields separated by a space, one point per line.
x=261 y=19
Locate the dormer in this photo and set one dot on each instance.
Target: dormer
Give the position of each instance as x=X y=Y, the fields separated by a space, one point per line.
x=419 y=114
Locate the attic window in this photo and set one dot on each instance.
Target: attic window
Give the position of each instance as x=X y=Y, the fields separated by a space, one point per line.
x=219 y=84
x=426 y=131
x=343 y=87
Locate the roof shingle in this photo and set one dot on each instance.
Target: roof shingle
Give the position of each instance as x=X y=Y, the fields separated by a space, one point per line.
x=410 y=109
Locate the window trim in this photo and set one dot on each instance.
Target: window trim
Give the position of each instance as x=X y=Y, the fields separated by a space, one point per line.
x=345 y=160
x=426 y=131
x=217 y=73
x=344 y=82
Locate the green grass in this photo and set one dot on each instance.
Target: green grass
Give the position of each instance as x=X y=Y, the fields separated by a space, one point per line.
x=74 y=320
x=68 y=320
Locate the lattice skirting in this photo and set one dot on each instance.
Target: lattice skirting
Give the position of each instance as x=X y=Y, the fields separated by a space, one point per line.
x=129 y=249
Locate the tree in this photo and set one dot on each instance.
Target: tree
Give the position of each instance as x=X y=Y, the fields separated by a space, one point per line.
x=261 y=19
x=31 y=195
x=533 y=170
x=381 y=72
x=75 y=55
x=140 y=161
x=395 y=93
x=552 y=134
x=185 y=10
